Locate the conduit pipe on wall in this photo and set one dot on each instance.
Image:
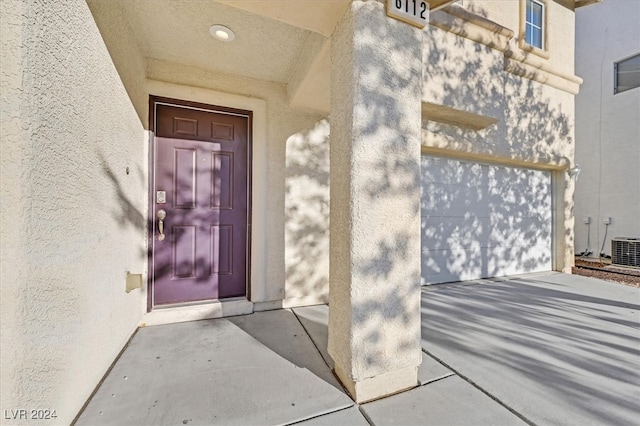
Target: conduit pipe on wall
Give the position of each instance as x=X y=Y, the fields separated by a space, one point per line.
x=574 y=171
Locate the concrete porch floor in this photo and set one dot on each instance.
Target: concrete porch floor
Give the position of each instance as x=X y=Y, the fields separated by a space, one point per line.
x=539 y=349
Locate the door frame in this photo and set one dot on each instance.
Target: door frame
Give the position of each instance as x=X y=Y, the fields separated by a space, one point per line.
x=151 y=213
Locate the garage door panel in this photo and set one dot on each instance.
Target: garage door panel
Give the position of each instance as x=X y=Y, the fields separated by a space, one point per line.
x=519 y=202
x=434 y=198
x=515 y=231
x=462 y=264
x=482 y=221
x=440 y=232
x=448 y=265
x=443 y=171
x=518 y=260
x=524 y=209
x=453 y=200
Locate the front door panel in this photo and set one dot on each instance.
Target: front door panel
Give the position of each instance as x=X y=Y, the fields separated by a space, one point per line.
x=201 y=183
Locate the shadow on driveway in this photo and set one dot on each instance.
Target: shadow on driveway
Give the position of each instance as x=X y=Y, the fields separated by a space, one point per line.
x=556 y=348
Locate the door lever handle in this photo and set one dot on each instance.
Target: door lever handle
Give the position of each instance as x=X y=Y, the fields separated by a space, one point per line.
x=161 y=216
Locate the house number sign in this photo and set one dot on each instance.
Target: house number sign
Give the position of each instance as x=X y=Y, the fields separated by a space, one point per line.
x=414 y=12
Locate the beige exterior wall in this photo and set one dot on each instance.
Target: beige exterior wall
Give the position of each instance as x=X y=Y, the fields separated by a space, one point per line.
x=559 y=28
x=125 y=53
x=608 y=126
x=72 y=218
x=74 y=222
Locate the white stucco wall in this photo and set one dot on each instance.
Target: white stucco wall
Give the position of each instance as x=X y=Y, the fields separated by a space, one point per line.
x=607 y=125
x=72 y=221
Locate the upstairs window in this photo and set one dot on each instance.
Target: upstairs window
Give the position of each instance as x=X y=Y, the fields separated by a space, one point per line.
x=626 y=74
x=534 y=24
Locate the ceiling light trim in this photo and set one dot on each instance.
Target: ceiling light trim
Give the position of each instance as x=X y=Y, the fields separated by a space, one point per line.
x=222 y=33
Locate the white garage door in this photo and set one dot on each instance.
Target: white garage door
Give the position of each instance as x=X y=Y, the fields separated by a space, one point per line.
x=482 y=221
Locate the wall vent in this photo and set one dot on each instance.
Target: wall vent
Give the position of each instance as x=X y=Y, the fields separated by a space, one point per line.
x=625 y=251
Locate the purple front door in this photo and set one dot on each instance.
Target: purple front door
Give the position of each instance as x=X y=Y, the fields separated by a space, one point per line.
x=200 y=203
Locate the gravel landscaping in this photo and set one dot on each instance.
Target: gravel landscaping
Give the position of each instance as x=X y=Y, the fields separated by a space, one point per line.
x=606 y=271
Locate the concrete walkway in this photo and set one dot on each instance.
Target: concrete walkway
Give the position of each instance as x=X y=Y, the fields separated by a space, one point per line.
x=540 y=349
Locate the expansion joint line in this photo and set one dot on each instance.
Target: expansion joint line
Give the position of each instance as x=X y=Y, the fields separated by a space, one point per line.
x=312 y=341
x=475 y=385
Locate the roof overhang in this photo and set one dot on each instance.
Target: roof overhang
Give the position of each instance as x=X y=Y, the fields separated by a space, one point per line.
x=278 y=41
x=581 y=3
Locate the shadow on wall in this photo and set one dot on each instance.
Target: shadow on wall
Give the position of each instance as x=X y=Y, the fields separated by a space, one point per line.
x=307 y=213
x=388 y=175
x=126 y=214
x=532 y=128
x=482 y=221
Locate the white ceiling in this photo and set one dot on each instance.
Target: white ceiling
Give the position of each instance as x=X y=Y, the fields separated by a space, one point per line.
x=178 y=31
x=284 y=41
x=319 y=16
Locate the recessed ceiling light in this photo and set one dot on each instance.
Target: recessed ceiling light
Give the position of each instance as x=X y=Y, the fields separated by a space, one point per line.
x=222 y=33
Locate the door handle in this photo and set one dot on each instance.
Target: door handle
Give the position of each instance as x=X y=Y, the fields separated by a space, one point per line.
x=161 y=216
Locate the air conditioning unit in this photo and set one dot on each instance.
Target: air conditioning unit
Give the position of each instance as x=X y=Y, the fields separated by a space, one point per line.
x=625 y=251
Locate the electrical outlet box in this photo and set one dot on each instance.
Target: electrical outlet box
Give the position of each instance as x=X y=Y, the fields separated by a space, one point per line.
x=606 y=221
x=586 y=220
x=133 y=281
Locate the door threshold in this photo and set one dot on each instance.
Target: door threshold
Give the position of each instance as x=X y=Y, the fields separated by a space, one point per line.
x=198 y=303
x=197 y=311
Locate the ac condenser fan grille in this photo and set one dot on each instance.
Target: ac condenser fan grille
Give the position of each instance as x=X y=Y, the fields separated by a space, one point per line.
x=625 y=251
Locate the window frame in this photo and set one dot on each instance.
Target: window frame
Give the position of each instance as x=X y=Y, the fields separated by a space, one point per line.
x=531 y=27
x=616 y=91
x=542 y=51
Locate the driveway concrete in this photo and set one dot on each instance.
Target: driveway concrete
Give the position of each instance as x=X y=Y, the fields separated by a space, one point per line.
x=451 y=401
x=538 y=349
x=557 y=349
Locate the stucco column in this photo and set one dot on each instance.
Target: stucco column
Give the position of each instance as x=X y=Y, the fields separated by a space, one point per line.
x=374 y=311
